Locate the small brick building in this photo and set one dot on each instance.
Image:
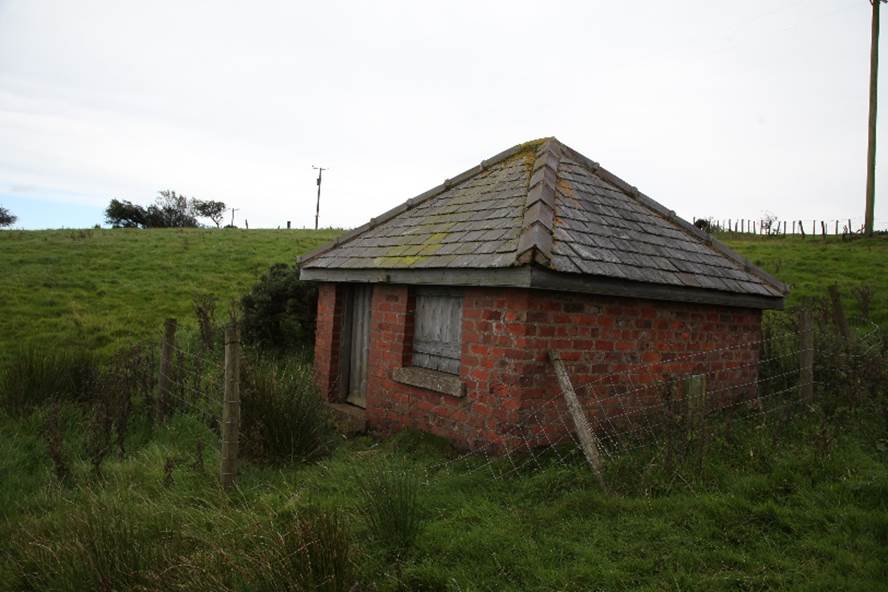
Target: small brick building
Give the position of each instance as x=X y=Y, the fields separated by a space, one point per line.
x=439 y=314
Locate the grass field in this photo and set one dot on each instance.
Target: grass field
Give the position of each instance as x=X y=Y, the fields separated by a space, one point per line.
x=788 y=504
x=107 y=288
x=810 y=265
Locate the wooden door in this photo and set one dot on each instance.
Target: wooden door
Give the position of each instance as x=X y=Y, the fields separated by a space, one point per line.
x=359 y=344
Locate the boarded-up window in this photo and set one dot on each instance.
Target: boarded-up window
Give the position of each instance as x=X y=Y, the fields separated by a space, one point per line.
x=437 y=330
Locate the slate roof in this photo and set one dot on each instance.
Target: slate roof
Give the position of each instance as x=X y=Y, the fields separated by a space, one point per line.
x=543 y=205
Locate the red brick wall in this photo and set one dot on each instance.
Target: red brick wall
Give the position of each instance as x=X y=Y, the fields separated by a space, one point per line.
x=620 y=352
x=326 y=358
x=610 y=345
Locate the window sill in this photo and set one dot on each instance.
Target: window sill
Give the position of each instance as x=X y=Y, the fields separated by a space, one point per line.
x=431 y=380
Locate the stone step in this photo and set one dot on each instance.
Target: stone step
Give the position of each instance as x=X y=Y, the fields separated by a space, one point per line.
x=349 y=420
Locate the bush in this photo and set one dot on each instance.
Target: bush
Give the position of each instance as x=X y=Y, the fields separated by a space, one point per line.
x=390 y=505
x=283 y=417
x=279 y=312
x=37 y=376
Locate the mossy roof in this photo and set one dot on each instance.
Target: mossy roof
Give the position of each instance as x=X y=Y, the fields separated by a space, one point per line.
x=544 y=205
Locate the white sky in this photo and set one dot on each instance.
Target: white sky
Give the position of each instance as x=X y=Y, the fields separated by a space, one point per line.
x=714 y=108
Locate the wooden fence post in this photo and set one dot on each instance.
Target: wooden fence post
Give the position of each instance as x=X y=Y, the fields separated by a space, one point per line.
x=823 y=228
x=801 y=229
x=164 y=382
x=838 y=314
x=230 y=407
x=588 y=441
x=695 y=398
x=806 y=356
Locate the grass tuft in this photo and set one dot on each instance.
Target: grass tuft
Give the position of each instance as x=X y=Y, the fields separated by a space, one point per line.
x=389 y=495
x=36 y=376
x=283 y=417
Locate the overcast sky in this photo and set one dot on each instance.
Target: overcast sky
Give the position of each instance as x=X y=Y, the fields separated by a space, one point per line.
x=714 y=108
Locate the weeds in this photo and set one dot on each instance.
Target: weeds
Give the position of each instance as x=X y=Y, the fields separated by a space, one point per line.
x=205 y=311
x=54 y=438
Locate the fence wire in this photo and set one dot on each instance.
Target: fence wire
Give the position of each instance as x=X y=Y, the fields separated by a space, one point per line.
x=635 y=416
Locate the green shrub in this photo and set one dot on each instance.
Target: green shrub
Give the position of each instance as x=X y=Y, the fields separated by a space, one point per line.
x=283 y=417
x=390 y=505
x=35 y=377
x=279 y=312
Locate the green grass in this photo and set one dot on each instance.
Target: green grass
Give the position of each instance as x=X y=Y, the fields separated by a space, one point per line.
x=762 y=513
x=106 y=288
x=788 y=508
x=810 y=265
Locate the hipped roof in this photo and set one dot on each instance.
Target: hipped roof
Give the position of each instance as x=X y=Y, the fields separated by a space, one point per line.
x=541 y=215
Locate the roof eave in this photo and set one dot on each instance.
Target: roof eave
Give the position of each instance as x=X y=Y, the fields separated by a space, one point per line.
x=536 y=277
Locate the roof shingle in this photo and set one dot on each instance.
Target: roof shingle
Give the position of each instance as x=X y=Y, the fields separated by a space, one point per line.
x=542 y=203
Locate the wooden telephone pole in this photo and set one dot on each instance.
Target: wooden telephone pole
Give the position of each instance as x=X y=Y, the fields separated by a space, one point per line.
x=871 y=135
x=320 y=171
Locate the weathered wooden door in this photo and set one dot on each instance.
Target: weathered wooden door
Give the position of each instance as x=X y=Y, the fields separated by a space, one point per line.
x=359 y=344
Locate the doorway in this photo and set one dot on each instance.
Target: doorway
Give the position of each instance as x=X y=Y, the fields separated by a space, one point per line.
x=357 y=344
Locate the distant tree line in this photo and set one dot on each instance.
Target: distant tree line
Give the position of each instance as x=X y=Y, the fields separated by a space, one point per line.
x=7 y=218
x=169 y=210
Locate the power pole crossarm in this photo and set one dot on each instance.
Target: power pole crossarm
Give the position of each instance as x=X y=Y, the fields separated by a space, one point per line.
x=871 y=131
x=320 y=171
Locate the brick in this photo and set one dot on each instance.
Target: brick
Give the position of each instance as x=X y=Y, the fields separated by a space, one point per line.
x=610 y=344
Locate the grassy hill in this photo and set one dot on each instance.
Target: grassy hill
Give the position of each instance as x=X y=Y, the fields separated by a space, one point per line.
x=810 y=265
x=783 y=503
x=106 y=288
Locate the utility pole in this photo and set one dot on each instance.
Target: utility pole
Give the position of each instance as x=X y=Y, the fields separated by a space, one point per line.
x=871 y=136
x=320 y=171
x=233 y=210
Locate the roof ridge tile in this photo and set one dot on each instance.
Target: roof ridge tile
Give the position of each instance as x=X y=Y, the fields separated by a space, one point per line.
x=535 y=240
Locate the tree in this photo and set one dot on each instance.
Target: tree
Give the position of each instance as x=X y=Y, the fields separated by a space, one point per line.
x=171 y=210
x=123 y=214
x=7 y=218
x=214 y=210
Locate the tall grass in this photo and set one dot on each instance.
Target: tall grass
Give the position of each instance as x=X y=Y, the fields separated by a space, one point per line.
x=102 y=543
x=390 y=504
x=283 y=417
x=315 y=553
x=37 y=376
